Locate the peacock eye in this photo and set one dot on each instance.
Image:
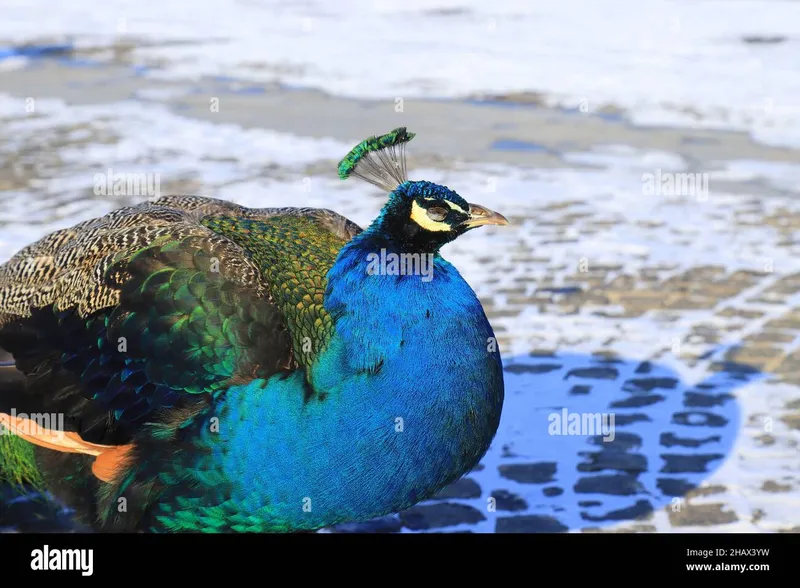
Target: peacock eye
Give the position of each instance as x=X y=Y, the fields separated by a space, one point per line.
x=437 y=213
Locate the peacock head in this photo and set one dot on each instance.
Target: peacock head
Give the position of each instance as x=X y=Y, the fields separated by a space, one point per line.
x=419 y=216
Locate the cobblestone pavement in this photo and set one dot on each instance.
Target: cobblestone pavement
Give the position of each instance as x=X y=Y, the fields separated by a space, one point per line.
x=615 y=294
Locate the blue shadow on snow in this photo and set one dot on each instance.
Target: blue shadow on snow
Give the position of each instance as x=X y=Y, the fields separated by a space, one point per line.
x=553 y=467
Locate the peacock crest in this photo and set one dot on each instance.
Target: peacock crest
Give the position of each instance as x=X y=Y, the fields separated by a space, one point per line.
x=379 y=160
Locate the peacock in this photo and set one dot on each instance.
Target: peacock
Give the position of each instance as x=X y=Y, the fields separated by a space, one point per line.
x=191 y=365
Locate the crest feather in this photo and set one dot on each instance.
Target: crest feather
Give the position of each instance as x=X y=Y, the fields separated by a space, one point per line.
x=379 y=160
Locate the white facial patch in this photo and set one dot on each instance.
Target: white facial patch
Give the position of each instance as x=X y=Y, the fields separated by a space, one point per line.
x=420 y=216
x=452 y=205
x=455 y=206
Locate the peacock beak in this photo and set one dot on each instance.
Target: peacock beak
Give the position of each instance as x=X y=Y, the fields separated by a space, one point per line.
x=479 y=215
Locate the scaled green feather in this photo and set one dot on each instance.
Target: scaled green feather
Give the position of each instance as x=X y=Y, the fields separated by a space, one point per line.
x=17 y=462
x=294 y=254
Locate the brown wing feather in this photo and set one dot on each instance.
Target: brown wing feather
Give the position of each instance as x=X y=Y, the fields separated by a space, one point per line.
x=67 y=268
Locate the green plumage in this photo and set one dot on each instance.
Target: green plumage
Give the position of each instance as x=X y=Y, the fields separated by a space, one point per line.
x=18 y=463
x=180 y=310
x=294 y=254
x=181 y=304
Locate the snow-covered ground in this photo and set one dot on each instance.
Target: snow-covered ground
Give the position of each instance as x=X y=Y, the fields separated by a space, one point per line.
x=711 y=261
x=688 y=62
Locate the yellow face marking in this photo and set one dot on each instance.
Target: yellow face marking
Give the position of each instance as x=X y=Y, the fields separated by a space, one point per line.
x=420 y=216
